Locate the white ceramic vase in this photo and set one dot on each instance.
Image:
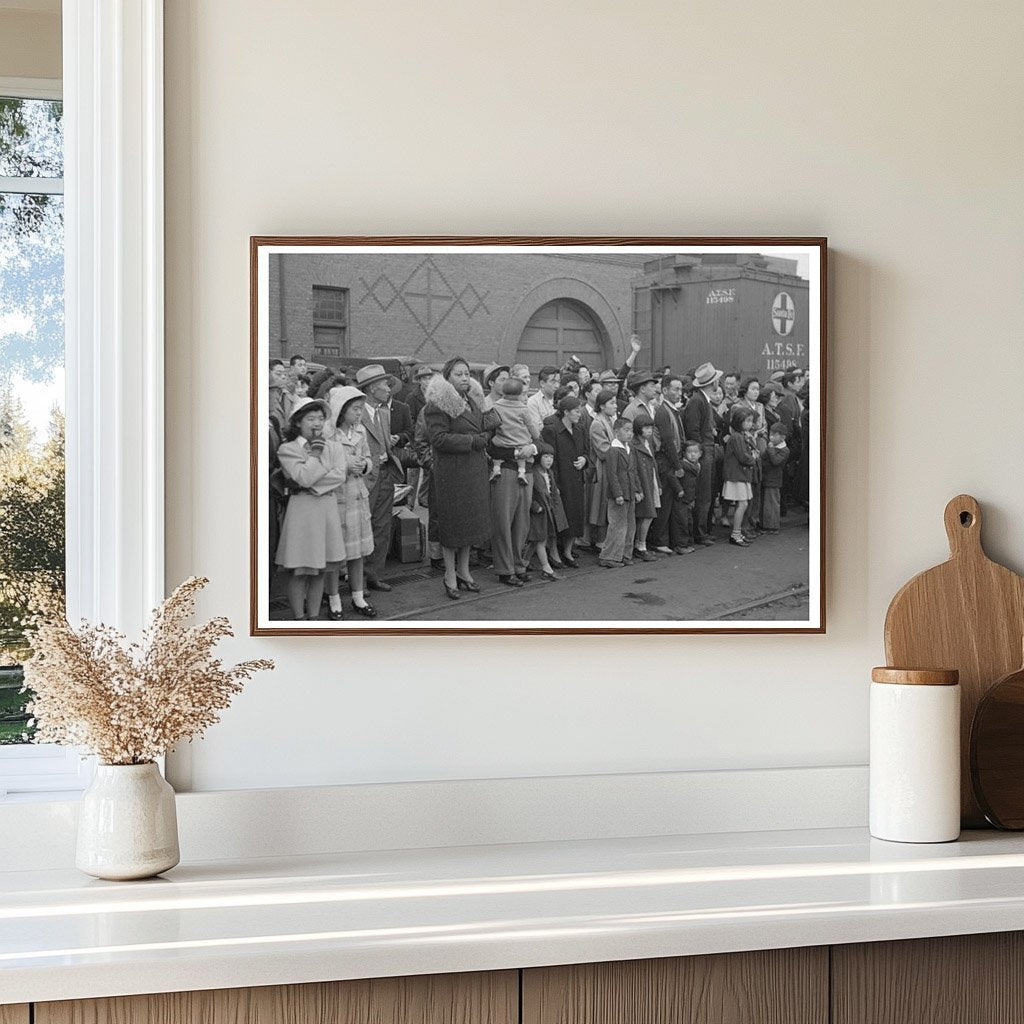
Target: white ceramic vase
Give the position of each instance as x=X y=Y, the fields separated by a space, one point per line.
x=127 y=825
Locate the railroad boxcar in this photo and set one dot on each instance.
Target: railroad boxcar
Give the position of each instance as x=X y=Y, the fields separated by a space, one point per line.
x=744 y=312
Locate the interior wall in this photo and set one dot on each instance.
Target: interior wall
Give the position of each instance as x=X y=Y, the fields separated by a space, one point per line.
x=30 y=43
x=894 y=129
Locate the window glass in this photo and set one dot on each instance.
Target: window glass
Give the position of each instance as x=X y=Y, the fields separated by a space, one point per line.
x=31 y=385
x=31 y=138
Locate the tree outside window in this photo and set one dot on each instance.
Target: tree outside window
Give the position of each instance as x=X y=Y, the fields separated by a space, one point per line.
x=32 y=534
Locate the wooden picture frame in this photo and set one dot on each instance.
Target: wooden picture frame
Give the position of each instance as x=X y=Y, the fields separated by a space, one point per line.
x=755 y=305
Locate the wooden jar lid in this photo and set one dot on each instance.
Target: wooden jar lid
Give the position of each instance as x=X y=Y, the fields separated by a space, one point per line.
x=916 y=676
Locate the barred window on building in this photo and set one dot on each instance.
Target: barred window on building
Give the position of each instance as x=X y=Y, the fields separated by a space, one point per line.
x=330 y=322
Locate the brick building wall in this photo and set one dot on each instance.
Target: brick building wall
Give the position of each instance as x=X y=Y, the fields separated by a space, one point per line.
x=432 y=306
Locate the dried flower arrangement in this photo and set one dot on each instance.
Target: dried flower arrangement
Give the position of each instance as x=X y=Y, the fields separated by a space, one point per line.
x=129 y=704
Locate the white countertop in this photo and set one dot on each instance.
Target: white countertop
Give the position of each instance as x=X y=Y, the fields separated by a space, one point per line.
x=225 y=924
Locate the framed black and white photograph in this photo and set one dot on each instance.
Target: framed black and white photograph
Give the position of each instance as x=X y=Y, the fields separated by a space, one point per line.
x=537 y=435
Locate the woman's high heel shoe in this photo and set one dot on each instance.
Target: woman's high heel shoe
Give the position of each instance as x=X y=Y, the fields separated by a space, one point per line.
x=462 y=584
x=452 y=593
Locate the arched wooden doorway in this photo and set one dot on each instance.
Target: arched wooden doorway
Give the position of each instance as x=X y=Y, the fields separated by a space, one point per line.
x=558 y=330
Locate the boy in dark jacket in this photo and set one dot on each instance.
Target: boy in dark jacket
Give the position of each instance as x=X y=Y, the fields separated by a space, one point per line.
x=776 y=456
x=624 y=490
x=688 y=496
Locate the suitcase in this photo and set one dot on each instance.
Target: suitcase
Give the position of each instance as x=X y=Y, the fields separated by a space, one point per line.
x=408 y=536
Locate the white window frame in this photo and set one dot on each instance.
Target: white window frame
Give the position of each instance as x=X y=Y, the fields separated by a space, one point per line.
x=114 y=334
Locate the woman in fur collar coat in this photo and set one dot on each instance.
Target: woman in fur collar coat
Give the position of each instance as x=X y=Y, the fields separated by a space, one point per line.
x=459 y=429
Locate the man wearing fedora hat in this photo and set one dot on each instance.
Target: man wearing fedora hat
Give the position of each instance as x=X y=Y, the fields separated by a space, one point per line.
x=494 y=376
x=405 y=386
x=614 y=379
x=645 y=390
x=699 y=426
x=418 y=397
x=417 y=400
x=669 y=532
x=375 y=382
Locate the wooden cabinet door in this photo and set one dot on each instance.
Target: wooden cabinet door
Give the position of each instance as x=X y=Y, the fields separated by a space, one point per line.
x=14 y=1014
x=960 y=979
x=777 y=986
x=481 y=998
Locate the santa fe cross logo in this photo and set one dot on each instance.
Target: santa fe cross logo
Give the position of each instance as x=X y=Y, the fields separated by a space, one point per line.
x=783 y=314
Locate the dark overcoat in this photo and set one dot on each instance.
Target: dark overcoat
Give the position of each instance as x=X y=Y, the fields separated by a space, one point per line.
x=739 y=458
x=569 y=445
x=547 y=514
x=775 y=461
x=458 y=433
x=699 y=421
x=647 y=471
x=402 y=423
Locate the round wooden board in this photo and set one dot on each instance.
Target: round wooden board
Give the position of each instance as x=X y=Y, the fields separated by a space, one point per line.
x=967 y=613
x=997 y=752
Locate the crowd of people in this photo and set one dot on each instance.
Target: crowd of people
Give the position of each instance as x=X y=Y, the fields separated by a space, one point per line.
x=624 y=465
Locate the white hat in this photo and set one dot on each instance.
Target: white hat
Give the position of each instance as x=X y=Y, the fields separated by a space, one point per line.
x=340 y=397
x=705 y=375
x=306 y=406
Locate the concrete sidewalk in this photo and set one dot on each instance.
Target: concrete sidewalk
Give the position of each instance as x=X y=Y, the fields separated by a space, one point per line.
x=767 y=580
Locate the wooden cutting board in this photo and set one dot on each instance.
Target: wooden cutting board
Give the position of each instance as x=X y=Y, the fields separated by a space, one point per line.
x=967 y=614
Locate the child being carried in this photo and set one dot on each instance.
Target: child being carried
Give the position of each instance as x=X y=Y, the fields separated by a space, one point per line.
x=514 y=430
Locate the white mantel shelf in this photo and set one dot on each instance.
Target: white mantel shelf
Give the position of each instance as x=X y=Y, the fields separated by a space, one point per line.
x=226 y=924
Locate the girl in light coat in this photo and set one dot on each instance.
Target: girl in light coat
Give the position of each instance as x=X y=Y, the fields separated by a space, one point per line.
x=353 y=503
x=311 y=535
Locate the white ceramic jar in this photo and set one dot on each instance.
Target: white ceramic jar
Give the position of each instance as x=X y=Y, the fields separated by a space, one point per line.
x=915 y=755
x=127 y=823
